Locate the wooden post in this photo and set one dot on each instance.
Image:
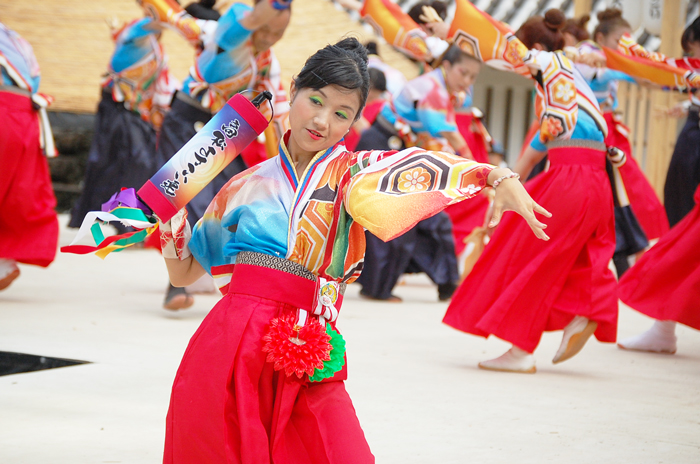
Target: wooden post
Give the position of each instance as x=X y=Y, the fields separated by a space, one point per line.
x=662 y=128
x=582 y=7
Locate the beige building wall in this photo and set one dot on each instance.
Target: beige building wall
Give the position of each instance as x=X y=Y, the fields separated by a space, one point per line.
x=72 y=42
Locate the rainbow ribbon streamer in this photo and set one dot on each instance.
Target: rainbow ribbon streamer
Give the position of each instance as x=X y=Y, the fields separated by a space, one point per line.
x=119 y=209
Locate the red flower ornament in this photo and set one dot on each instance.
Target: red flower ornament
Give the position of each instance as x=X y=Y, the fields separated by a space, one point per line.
x=297 y=350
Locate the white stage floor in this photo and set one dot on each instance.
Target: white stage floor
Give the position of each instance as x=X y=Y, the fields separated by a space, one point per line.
x=414 y=381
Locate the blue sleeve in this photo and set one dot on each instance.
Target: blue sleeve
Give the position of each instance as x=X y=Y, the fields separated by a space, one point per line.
x=537 y=144
x=609 y=75
x=229 y=33
x=435 y=122
x=132 y=44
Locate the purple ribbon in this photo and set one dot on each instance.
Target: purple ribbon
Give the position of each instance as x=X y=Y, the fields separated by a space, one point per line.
x=126 y=197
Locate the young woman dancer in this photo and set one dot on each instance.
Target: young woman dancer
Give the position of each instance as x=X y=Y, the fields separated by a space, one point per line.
x=665 y=285
x=282 y=239
x=520 y=288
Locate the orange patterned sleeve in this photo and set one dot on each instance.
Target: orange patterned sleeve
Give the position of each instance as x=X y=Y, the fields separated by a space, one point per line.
x=391 y=192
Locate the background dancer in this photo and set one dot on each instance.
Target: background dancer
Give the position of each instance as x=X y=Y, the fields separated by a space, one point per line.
x=136 y=94
x=28 y=222
x=519 y=287
x=236 y=57
x=646 y=205
x=575 y=31
x=664 y=287
x=425 y=110
x=243 y=392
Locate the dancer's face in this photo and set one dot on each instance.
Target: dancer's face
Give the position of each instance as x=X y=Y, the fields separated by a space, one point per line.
x=694 y=49
x=269 y=34
x=320 y=118
x=613 y=37
x=461 y=75
x=570 y=40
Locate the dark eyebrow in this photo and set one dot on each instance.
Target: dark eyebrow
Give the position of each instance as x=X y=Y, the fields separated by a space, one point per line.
x=342 y=106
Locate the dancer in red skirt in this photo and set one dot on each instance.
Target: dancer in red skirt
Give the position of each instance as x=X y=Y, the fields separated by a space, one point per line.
x=28 y=222
x=262 y=379
x=665 y=285
x=520 y=287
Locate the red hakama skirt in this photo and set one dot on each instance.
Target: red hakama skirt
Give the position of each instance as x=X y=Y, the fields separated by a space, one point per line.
x=28 y=222
x=522 y=286
x=229 y=405
x=466 y=215
x=474 y=137
x=665 y=282
x=645 y=204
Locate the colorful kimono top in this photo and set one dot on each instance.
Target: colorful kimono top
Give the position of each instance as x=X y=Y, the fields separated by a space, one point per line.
x=228 y=65
x=425 y=104
x=138 y=71
x=567 y=101
x=318 y=219
x=602 y=81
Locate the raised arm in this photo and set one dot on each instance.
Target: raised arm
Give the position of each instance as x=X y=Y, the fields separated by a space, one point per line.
x=392 y=193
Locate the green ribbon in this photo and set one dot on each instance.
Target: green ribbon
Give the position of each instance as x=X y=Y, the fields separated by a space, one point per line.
x=337 y=360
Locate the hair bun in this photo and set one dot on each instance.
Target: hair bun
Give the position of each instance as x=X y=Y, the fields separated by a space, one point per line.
x=353 y=45
x=583 y=21
x=609 y=14
x=554 y=19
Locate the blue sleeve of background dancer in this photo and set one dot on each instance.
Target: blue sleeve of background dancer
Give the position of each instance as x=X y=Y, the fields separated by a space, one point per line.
x=229 y=33
x=610 y=75
x=133 y=44
x=435 y=122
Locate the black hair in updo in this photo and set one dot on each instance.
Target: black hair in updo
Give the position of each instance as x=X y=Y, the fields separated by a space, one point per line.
x=690 y=35
x=343 y=64
x=454 y=55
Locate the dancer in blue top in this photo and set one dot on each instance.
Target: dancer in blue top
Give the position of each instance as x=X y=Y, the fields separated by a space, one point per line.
x=236 y=56
x=136 y=93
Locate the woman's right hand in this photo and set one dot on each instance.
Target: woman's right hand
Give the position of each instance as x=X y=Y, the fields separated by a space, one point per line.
x=512 y=196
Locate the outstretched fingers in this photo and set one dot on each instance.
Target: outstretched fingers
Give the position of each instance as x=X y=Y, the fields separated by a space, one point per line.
x=539 y=209
x=535 y=224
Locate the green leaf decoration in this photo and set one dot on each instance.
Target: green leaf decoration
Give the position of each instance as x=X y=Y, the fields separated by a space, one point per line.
x=337 y=360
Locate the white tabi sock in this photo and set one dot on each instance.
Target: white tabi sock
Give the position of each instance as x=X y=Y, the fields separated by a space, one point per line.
x=6 y=267
x=513 y=360
x=660 y=338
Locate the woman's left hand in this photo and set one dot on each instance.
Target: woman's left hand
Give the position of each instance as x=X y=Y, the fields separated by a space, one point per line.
x=512 y=196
